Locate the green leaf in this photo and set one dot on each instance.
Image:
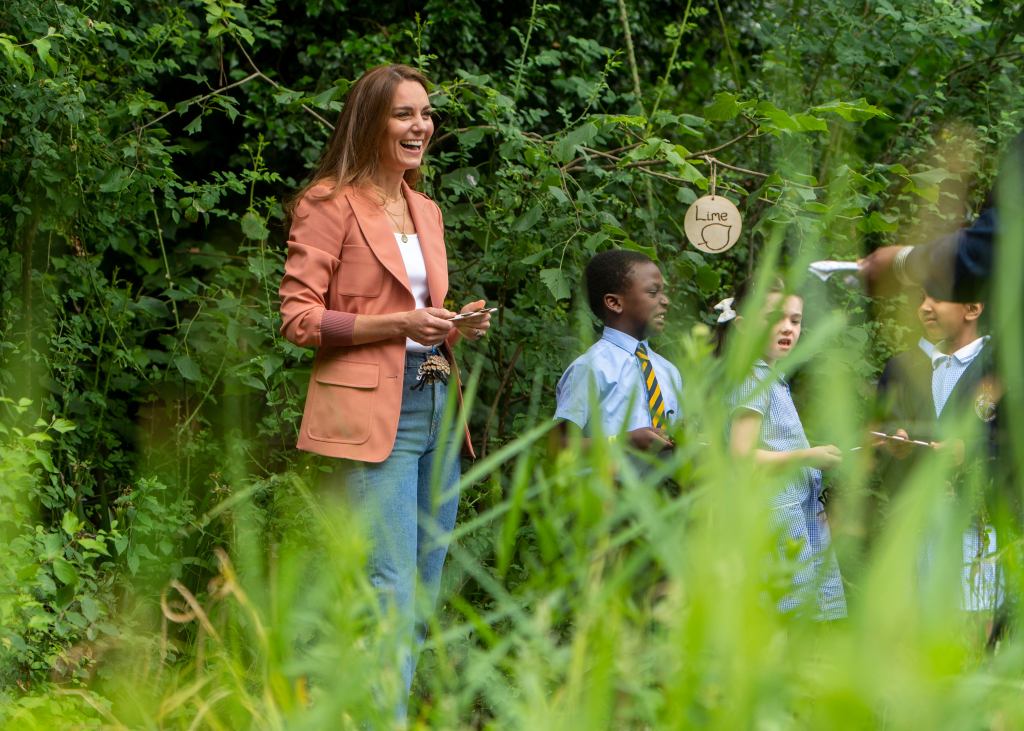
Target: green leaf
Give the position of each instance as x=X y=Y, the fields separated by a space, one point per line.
x=557 y=282
x=116 y=180
x=558 y=194
x=723 y=108
x=855 y=111
x=593 y=242
x=470 y=138
x=627 y=120
x=778 y=119
x=15 y=56
x=43 y=457
x=632 y=245
x=195 y=125
x=120 y=544
x=90 y=609
x=708 y=278
x=931 y=176
x=271 y=364
x=810 y=123
x=187 y=368
x=92 y=544
x=65 y=572
x=42 y=46
x=529 y=219
x=878 y=222
x=254 y=227
x=70 y=523
x=324 y=98
x=565 y=149
x=62 y=426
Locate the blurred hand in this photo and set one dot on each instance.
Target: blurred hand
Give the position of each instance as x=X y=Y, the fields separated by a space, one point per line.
x=955 y=447
x=876 y=271
x=429 y=326
x=899 y=450
x=474 y=328
x=649 y=438
x=824 y=457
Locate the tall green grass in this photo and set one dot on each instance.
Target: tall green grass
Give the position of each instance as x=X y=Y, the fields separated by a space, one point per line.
x=581 y=595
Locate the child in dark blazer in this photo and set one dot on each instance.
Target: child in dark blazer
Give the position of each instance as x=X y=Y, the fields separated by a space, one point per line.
x=926 y=394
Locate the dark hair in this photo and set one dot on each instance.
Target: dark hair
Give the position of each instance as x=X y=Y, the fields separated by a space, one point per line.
x=352 y=154
x=608 y=272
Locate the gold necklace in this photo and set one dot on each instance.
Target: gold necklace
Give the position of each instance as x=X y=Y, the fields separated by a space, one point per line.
x=401 y=228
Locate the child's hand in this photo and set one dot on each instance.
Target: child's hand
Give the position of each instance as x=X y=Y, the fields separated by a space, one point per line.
x=649 y=438
x=899 y=450
x=954 y=447
x=824 y=457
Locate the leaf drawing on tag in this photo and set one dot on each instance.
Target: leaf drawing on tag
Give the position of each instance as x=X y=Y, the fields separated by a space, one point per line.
x=716 y=236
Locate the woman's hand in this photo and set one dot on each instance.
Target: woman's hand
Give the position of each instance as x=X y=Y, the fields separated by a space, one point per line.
x=429 y=326
x=824 y=457
x=474 y=328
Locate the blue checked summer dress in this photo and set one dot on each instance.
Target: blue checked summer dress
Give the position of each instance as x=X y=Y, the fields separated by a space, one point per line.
x=797 y=511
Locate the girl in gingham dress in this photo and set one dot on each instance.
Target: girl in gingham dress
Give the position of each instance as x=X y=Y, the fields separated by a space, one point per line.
x=766 y=426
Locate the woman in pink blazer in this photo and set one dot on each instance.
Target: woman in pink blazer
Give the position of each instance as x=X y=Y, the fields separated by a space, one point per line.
x=364 y=284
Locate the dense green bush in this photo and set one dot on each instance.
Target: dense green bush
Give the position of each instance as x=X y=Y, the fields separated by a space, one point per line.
x=150 y=406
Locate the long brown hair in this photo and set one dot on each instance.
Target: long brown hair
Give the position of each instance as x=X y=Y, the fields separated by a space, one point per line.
x=352 y=155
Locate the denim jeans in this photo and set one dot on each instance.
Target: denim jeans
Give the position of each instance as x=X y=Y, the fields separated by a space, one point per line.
x=407 y=511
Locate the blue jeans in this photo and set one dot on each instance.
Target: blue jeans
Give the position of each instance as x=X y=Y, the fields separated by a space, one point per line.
x=407 y=511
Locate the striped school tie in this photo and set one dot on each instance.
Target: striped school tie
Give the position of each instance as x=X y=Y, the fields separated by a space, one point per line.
x=655 y=403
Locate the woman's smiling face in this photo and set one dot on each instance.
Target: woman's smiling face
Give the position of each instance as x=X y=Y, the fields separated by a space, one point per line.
x=410 y=126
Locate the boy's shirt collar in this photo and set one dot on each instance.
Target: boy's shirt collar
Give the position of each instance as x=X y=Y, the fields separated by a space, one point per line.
x=964 y=355
x=622 y=340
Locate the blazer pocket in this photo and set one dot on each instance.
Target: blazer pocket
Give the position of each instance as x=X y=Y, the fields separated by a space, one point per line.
x=359 y=274
x=341 y=404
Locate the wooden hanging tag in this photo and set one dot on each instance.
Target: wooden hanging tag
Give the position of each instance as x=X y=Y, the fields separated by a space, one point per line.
x=713 y=224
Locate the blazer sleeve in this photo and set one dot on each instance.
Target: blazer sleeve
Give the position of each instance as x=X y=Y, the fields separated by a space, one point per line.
x=318 y=228
x=958 y=267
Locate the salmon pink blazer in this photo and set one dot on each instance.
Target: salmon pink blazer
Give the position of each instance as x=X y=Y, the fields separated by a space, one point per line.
x=342 y=262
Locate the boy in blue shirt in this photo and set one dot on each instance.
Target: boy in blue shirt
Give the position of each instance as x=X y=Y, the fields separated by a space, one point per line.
x=637 y=390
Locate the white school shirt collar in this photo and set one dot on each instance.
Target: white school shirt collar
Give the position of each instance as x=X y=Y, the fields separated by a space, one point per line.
x=927 y=347
x=963 y=356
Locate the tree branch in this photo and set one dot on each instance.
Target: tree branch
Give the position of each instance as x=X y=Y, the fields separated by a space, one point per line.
x=631 y=56
x=730 y=143
x=276 y=85
x=200 y=99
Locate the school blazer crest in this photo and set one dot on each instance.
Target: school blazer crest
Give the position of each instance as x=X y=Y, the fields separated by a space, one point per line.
x=342 y=257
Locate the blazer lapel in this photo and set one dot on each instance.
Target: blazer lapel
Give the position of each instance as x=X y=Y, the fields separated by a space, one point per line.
x=428 y=227
x=373 y=222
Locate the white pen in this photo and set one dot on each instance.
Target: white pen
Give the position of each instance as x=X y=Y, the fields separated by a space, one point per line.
x=474 y=313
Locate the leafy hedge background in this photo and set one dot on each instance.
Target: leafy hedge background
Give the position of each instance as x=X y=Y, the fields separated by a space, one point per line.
x=150 y=406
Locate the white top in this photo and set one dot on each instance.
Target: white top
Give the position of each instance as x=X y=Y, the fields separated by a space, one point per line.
x=416 y=270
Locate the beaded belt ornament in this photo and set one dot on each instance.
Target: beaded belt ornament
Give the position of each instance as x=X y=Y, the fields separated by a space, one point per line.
x=435 y=368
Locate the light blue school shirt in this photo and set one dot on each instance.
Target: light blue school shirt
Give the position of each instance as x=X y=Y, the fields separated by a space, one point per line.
x=615 y=371
x=781 y=429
